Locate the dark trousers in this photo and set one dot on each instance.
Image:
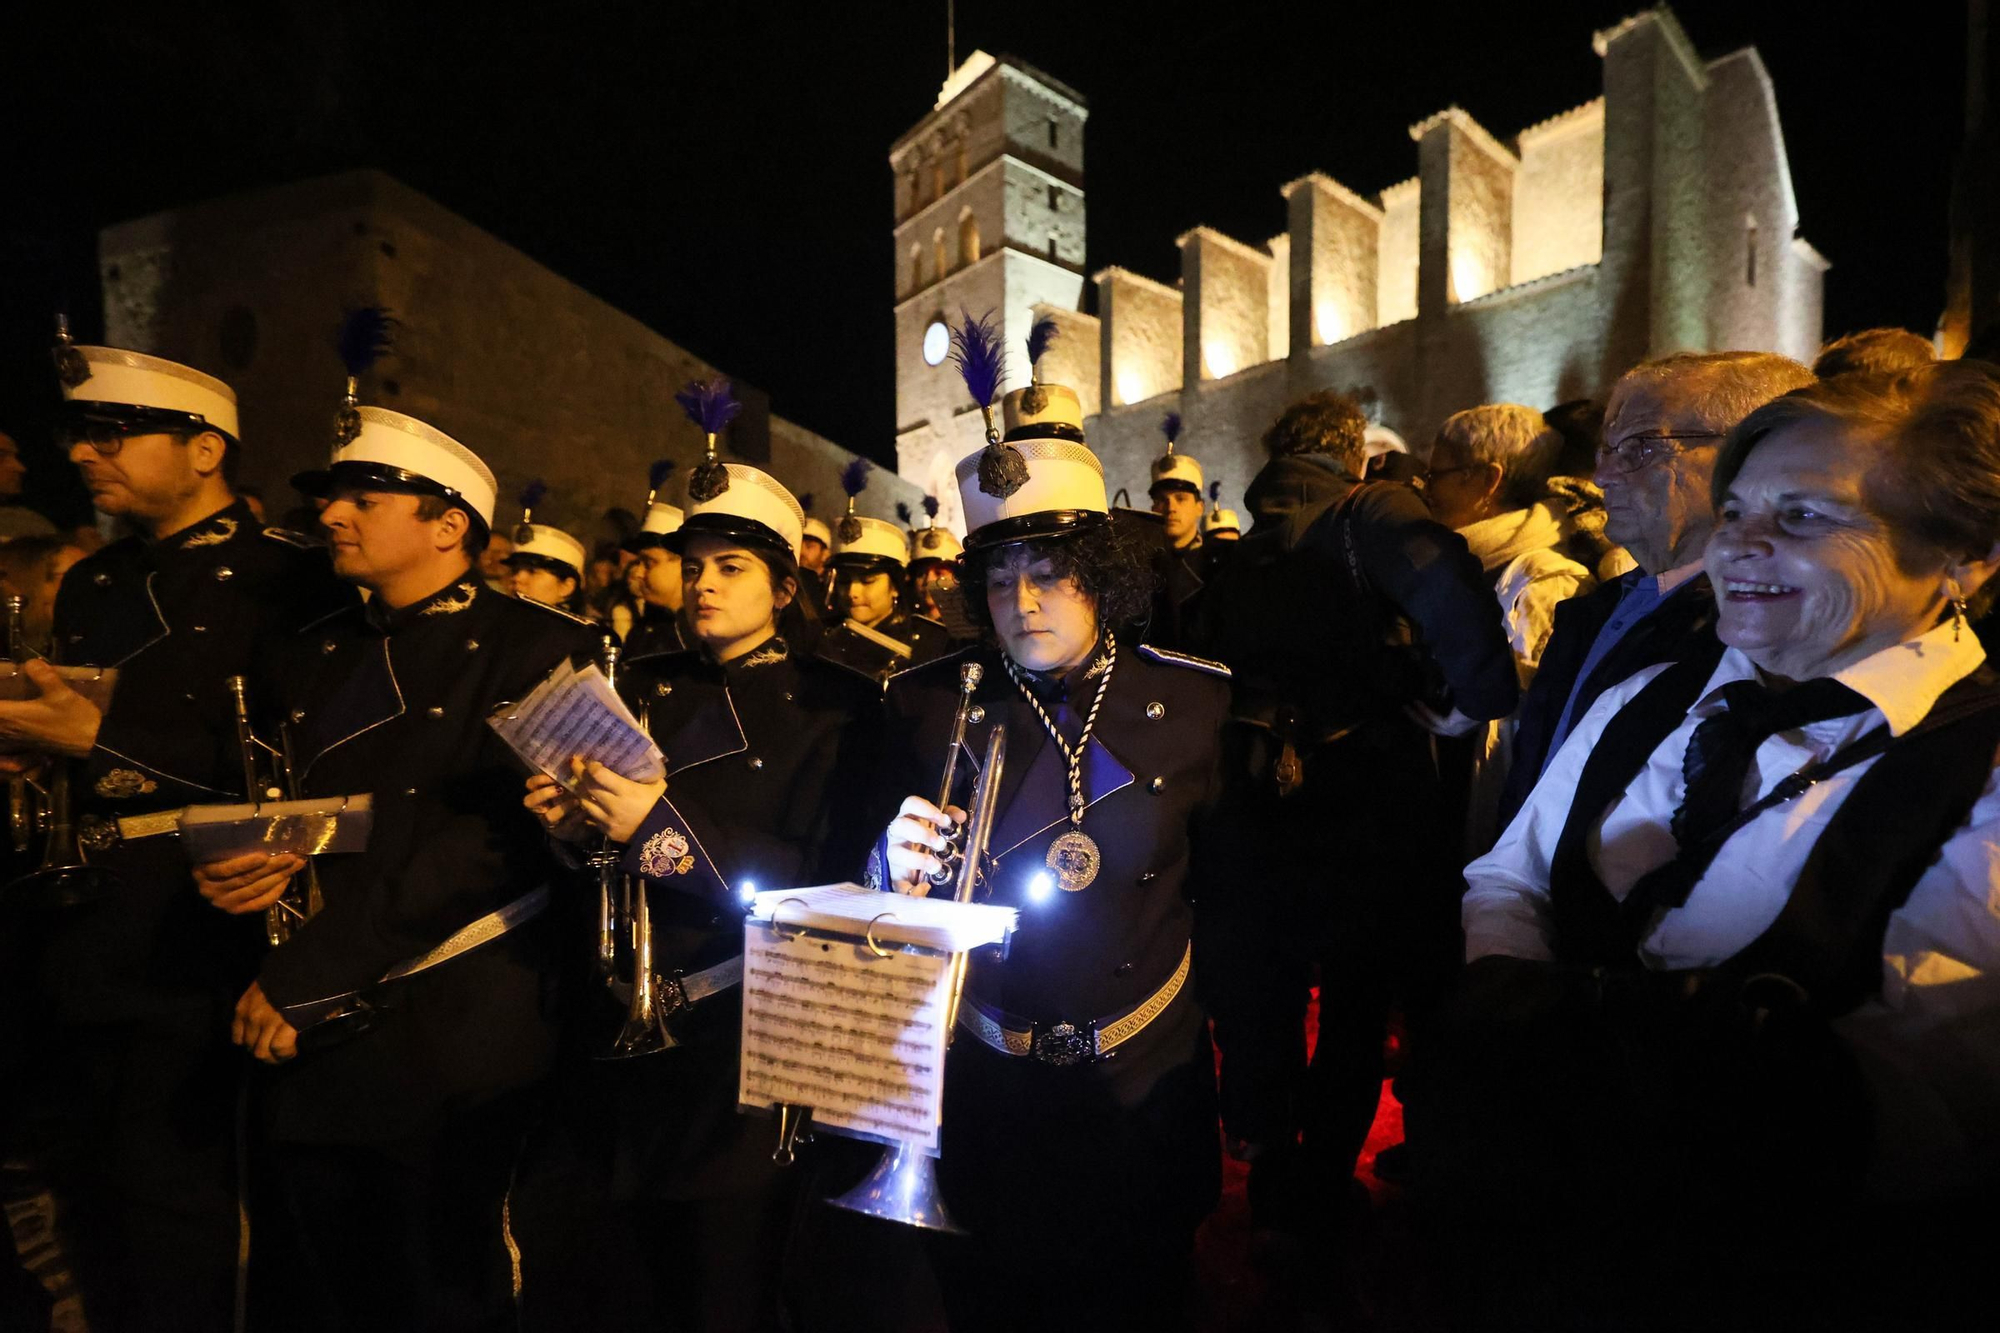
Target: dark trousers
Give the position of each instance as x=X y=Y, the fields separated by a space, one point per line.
x=137 y=1141
x=409 y=1235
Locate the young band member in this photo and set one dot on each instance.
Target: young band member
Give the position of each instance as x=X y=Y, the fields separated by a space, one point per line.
x=424 y=987
x=1079 y=1122
x=137 y=985
x=546 y=564
x=766 y=766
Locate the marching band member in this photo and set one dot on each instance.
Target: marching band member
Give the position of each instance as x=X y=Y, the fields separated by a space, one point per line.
x=423 y=986
x=1079 y=1122
x=766 y=762
x=879 y=637
x=140 y=982
x=659 y=628
x=546 y=564
x=814 y=548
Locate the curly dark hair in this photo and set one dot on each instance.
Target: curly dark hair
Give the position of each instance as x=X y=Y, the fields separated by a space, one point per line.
x=1109 y=565
x=1321 y=423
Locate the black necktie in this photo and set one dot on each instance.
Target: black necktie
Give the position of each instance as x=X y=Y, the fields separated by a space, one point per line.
x=1717 y=761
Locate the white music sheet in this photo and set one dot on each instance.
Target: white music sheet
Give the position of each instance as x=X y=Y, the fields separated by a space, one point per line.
x=859 y=1038
x=577 y=713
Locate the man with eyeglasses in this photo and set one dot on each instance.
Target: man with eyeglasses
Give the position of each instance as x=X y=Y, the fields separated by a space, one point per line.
x=138 y=981
x=1663 y=426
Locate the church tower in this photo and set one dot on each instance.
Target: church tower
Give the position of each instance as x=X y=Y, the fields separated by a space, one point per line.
x=989 y=217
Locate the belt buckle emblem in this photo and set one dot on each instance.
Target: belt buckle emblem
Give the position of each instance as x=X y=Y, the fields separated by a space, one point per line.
x=1065 y=1044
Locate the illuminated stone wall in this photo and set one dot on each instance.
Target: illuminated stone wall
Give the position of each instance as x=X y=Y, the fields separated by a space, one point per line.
x=1227 y=289
x=1467 y=180
x=1142 y=337
x=1336 y=237
x=1073 y=358
x=534 y=374
x=1396 y=283
x=1559 y=194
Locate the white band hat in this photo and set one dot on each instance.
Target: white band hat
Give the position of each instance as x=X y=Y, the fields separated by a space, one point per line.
x=114 y=378
x=753 y=507
x=935 y=543
x=549 y=545
x=877 y=540
x=399 y=452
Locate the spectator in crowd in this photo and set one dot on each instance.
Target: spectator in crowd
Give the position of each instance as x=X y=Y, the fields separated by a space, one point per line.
x=16 y=519
x=32 y=568
x=1732 y=968
x=1663 y=424
x=1489 y=479
x=493 y=563
x=1873 y=350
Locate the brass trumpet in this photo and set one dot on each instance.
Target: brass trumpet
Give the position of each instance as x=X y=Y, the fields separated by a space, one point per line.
x=903 y=1185
x=969 y=676
x=626 y=913
x=62 y=876
x=268 y=776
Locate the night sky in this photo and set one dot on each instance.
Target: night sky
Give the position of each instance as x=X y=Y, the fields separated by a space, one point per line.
x=719 y=169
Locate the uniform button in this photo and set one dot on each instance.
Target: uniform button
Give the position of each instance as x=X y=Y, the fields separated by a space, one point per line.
x=199 y=629
x=409 y=791
x=189 y=696
x=788 y=696
x=1122 y=970
x=435 y=710
x=472 y=645
x=102 y=580
x=977 y=715
x=663 y=689
x=223 y=573
x=1149 y=876
x=298 y=715
x=1158 y=784
x=326 y=646
x=1156 y=710
x=756 y=761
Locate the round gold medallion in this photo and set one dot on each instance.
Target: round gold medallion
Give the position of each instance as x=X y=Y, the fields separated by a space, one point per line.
x=1074 y=858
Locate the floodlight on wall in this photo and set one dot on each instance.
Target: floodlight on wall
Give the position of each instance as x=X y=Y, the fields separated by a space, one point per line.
x=1328 y=326
x=1220 y=359
x=1131 y=388
x=1470 y=279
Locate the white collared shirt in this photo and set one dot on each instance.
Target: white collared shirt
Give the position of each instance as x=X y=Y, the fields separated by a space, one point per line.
x=1931 y=1042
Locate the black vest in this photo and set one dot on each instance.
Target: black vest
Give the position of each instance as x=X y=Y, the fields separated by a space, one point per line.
x=1828 y=938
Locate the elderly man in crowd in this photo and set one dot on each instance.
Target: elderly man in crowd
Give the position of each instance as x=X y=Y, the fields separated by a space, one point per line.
x=1873 y=350
x=1663 y=424
x=1489 y=479
x=1736 y=966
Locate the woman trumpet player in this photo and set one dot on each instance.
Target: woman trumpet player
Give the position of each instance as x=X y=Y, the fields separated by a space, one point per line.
x=1079 y=1147
x=765 y=772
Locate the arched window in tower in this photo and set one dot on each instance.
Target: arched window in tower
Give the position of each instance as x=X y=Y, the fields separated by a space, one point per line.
x=1750 y=252
x=916 y=267
x=968 y=238
x=937 y=250
x=1053 y=141
x=937 y=171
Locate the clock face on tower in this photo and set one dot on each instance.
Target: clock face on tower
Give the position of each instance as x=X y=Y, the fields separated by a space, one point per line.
x=937 y=341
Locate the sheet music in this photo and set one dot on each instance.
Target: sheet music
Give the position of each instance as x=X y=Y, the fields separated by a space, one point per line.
x=859 y=1038
x=577 y=713
x=933 y=923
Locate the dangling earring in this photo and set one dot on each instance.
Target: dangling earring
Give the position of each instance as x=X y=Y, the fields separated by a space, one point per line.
x=1957 y=618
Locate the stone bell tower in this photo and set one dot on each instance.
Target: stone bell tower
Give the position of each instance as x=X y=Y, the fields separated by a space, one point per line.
x=989 y=218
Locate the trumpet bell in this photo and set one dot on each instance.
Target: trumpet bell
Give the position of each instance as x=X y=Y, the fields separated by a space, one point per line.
x=644 y=1030
x=901 y=1188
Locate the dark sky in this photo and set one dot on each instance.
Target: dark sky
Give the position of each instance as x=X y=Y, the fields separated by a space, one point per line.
x=719 y=169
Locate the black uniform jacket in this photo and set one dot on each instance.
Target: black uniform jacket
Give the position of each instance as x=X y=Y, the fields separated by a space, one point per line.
x=657 y=633
x=1040 y=1155
x=176 y=617
x=849 y=647
x=768 y=764
x=1151 y=774
x=395 y=703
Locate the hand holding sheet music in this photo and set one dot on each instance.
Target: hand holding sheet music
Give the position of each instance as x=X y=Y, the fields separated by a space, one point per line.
x=577 y=713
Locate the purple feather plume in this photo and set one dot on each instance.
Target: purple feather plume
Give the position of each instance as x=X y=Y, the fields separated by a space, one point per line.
x=976 y=351
x=931 y=507
x=709 y=404
x=657 y=474
x=1215 y=492
x=1039 y=337
x=366 y=335
x=854 y=477
x=903 y=512
x=806 y=501
x=1170 y=426
x=532 y=493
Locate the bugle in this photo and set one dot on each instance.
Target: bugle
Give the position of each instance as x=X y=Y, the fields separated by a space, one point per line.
x=268 y=776
x=40 y=809
x=903 y=1185
x=627 y=912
